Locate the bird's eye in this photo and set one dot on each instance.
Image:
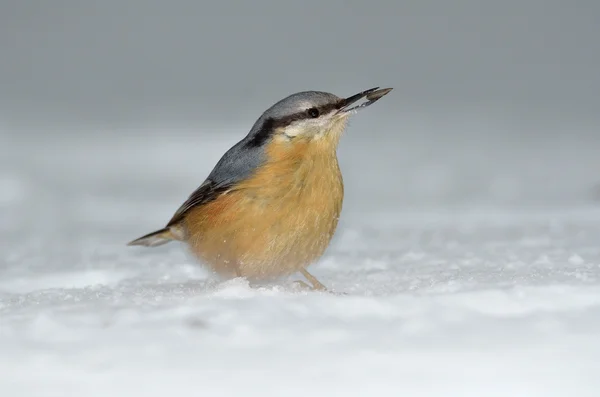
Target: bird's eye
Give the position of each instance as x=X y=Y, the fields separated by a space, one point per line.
x=313 y=112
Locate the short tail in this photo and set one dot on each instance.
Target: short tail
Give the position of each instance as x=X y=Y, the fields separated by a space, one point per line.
x=157 y=238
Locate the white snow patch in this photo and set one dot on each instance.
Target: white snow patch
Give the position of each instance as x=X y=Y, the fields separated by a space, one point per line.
x=439 y=300
x=66 y=280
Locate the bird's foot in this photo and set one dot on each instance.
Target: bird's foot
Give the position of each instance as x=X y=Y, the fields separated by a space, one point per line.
x=301 y=285
x=316 y=284
x=305 y=287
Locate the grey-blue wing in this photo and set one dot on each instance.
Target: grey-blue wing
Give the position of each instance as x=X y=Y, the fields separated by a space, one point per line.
x=237 y=164
x=205 y=193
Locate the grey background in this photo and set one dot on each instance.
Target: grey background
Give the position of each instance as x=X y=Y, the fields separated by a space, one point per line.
x=126 y=61
x=494 y=102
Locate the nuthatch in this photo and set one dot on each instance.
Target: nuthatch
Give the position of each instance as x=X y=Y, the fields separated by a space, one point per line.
x=271 y=205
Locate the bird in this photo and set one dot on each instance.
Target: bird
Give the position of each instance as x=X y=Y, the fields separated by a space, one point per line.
x=271 y=205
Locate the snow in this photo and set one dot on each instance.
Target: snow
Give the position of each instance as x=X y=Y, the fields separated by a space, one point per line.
x=480 y=298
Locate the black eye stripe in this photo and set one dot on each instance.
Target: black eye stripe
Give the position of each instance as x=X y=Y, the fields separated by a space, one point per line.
x=287 y=120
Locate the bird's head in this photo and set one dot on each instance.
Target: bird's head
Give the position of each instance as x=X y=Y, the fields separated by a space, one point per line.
x=309 y=115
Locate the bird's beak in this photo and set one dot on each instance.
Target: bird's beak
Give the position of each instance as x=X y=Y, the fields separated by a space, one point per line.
x=372 y=95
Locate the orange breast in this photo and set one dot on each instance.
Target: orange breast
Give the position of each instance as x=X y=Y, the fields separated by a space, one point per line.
x=277 y=222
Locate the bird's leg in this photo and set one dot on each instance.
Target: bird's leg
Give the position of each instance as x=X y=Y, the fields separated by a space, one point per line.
x=316 y=284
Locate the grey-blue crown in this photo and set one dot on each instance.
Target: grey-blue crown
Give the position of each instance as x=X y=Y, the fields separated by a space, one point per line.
x=298 y=102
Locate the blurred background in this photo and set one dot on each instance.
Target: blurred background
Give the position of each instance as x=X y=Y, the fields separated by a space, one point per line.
x=112 y=112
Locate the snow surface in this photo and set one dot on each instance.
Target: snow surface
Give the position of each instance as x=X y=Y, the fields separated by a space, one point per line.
x=483 y=299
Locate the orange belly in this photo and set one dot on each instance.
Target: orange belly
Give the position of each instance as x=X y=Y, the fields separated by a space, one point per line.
x=272 y=225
